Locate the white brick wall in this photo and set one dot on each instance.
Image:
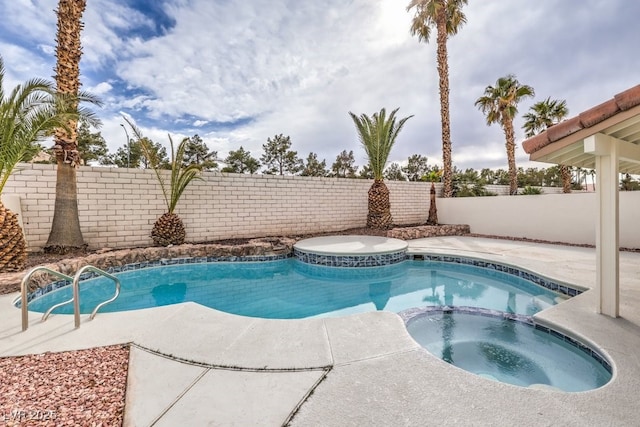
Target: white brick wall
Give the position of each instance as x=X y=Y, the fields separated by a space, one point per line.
x=118 y=207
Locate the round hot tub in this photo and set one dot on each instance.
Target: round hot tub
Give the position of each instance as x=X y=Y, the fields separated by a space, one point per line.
x=508 y=348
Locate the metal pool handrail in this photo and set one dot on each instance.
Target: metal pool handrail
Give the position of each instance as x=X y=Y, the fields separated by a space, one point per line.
x=23 y=294
x=76 y=292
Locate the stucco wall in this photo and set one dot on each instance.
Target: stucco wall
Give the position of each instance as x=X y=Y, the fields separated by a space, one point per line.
x=555 y=217
x=119 y=206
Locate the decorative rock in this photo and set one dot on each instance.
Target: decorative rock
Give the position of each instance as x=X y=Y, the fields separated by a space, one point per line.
x=408 y=233
x=105 y=259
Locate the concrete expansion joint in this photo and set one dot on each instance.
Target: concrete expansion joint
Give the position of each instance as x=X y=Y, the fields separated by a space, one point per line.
x=210 y=366
x=381 y=356
x=305 y=398
x=178 y=397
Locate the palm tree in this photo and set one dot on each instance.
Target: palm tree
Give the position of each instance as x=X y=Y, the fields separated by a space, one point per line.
x=29 y=113
x=65 y=232
x=447 y=17
x=500 y=104
x=541 y=116
x=169 y=228
x=378 y=135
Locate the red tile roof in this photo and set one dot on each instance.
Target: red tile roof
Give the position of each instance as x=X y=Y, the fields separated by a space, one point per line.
x=591 y=117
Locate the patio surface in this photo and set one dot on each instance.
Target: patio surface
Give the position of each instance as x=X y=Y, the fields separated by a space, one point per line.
x=191 y=365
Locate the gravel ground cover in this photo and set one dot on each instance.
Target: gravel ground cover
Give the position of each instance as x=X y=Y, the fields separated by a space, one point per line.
x=71 y=388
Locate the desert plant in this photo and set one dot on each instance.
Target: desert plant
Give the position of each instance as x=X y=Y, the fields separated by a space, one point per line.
x=169 y=228
x=65 y=233
x=447 y=18
x=378 y=135
x=541 y=116
x=433 y=176
x=530 y=191
x=500 y=105
x=28 y=114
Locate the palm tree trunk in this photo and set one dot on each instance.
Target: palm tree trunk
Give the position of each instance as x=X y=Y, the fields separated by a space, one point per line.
x=565 y=175
x=433 y=211
x=443 y=74
x=65 y=230
x=379 y=215
x=13 y=247
x=509 y=133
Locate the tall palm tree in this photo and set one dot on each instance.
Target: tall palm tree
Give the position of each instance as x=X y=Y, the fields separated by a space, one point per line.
x=378 y=135
x=500 y=104
x=541 y=116
x=28 y=114
x=65 y=232
x=447 y=18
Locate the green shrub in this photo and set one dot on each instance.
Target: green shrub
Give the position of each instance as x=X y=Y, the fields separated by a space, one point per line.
x=530 y=191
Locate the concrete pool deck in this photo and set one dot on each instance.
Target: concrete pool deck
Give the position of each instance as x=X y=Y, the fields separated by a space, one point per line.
x=191 y=365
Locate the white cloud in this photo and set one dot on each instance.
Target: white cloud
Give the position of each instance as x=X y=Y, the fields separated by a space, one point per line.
x=297 y=68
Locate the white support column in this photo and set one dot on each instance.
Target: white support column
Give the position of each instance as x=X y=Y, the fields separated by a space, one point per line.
x=606 y=151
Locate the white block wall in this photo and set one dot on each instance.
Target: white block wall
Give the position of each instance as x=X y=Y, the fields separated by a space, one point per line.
x=567 y=218
x=118 y=207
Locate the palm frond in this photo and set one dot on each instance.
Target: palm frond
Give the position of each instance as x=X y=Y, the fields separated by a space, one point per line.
x=500 y=102
x=378 y=134
x=28 y=113
x=180 y=177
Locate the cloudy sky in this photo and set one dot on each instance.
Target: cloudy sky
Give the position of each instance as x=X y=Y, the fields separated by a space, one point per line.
x=237 y=72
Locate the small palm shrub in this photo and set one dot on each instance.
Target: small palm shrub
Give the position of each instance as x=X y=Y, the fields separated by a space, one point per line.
x=530 y=191
x=169 y=228
x=377 y=135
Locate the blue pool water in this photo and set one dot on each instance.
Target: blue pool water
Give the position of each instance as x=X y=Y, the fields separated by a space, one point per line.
x=290 y=289
x=509 y=351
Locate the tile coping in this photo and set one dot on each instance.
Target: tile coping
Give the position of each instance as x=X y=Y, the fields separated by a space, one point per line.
x=340 y=261
x=411 y=314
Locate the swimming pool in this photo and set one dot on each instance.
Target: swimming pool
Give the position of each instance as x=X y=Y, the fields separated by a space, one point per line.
x=508 y=349
x=290 y=289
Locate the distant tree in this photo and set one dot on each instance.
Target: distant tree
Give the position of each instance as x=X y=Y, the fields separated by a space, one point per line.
x=241 y=161
x=487 y=176
x=447 y=18
x=394 y=173
x=541 y=116
x=197 y=153
x=469 y=175
x=365 y=172
x=532 y=177
x=125 y=156
x=416 y=168
x=500 y=105
x=313 y=167
x=278 y=158
x=344 y=166
x=502 y=177
x=552 y=176
x=134 y=156
x=154 y=152
x=91 y=146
